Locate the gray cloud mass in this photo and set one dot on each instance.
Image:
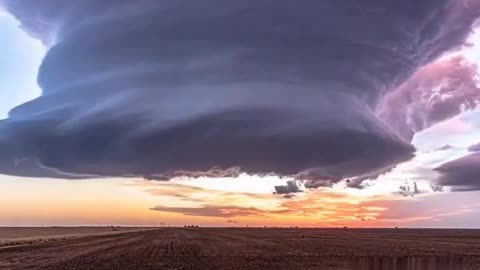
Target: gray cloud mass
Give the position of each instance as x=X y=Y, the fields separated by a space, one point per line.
x=157 y=89
x=474 y=148
x=462 y=174
x=290 y=187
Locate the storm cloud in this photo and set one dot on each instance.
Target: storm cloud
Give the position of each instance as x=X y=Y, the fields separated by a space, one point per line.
x=158 y=89
x=474 y=148
x=462 y=174
x=436 y=93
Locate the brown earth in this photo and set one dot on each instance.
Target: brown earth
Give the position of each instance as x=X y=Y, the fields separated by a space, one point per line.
x=254 y=248
x=14 y=236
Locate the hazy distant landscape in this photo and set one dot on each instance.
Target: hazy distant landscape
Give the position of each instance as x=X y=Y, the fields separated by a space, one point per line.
x=245 y=248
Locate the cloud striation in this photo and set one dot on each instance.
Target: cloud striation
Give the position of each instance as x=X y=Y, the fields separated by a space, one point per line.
x=158 y=89
x=462 y=174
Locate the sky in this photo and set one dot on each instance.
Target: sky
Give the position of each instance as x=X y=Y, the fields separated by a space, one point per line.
x=21 y=56
x=91 y=139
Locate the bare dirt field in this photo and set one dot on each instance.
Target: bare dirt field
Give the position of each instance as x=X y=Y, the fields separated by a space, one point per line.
x=14 y=236
x=255 y=248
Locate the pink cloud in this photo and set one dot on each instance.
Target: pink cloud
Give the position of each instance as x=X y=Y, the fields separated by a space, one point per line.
x=436 y=93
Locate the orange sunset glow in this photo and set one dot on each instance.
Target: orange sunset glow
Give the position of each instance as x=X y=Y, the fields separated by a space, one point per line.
x=145 y=203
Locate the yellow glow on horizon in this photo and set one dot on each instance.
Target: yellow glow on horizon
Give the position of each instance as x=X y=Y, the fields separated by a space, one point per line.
x=48 y=202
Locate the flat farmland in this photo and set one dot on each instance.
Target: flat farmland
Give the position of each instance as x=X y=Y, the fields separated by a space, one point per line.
x=12 y=236
x=254 y=248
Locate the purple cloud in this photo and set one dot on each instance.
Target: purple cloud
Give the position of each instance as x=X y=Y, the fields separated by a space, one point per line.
x=462 y=174
x=436 y=93
x=474 y=148
x=166 y=88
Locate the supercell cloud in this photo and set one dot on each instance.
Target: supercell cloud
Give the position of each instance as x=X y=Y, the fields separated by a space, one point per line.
x=161 y=88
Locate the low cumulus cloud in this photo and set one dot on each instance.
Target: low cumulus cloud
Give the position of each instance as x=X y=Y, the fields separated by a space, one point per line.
x=312 y=184
x=409 y=189
x=291 y=187
x=289 y=196
x=159 y=89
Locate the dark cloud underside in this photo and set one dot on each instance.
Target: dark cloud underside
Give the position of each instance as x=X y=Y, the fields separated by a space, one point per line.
x=166 y=88
x=474 y=148
x=462 y=174
x=290 y=187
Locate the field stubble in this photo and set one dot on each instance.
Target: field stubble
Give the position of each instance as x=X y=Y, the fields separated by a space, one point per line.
x=254 y=248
